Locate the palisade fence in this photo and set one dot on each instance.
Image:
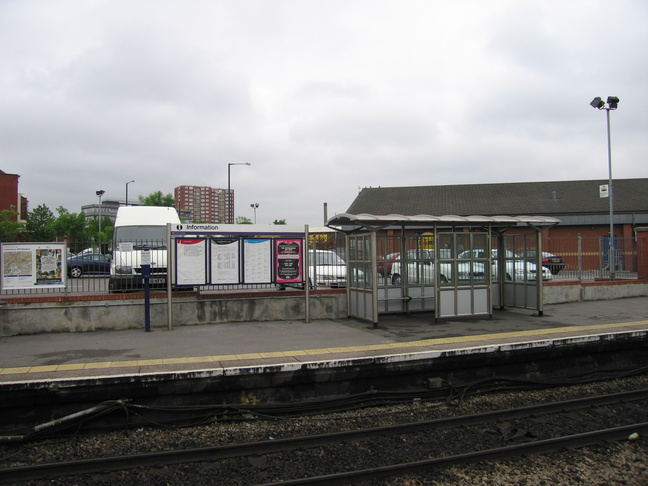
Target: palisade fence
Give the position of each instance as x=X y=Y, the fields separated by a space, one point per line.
x=586 y=258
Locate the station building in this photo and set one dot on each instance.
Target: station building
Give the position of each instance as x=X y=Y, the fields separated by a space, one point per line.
x=577 y=204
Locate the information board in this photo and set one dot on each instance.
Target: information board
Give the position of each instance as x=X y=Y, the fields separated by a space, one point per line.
x=30 y=265
x=237 y=254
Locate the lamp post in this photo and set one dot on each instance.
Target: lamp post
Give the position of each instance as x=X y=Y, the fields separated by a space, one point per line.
x=230 y=199
x=100 y=193
x=127 y=191
x=254 y=206
x=612 y=103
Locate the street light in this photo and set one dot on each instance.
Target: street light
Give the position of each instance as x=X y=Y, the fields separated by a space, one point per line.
x=612 y=103
x=100 y=193
x=254 y=206
x=230 y=199
x=127 y=191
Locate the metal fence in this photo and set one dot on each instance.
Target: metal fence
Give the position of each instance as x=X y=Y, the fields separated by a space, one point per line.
x=585 y=258
x=588 y=258
x=85 y=282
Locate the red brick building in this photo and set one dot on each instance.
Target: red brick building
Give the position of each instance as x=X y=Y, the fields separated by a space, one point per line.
x=10 y=198
x=584 y=215
x=577 y=204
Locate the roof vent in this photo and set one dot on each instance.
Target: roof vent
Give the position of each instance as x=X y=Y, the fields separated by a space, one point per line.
x=554 y=195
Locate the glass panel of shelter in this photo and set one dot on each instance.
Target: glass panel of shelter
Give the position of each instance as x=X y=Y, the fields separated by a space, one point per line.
x=464 y=259
x=360 y=271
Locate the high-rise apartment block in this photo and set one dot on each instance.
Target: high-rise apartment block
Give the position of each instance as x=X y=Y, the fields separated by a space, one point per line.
x=203 y=204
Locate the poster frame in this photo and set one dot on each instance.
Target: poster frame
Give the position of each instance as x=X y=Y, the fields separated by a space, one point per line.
x=33 y=277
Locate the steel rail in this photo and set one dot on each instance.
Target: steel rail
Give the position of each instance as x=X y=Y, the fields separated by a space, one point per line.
x=86 y=466
x=538 y=447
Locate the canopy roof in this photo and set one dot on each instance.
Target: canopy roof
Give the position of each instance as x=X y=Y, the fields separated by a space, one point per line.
x=347 y=222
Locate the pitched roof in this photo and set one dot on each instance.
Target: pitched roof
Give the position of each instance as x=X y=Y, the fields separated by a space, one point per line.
x=528 y=198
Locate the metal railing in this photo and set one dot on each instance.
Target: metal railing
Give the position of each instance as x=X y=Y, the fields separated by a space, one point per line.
x=585 y=259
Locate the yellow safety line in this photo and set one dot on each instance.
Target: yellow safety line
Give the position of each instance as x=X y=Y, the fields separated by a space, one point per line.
x=312 y=352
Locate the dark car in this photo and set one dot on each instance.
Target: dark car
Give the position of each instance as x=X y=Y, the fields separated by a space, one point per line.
x=90 y=263
x=550 y=261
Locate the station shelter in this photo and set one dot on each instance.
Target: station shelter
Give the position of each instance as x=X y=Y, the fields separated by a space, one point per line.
x=452 y=266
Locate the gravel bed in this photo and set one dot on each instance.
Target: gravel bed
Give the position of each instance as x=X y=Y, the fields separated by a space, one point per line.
x=618 y=463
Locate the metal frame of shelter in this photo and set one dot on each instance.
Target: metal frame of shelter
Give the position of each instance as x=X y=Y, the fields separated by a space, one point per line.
x=450 y=265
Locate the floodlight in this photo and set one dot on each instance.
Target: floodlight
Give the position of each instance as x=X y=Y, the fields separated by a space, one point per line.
x=612 y=102
x=597 y=103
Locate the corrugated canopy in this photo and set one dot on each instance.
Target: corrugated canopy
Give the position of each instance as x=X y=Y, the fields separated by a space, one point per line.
x=370 y=221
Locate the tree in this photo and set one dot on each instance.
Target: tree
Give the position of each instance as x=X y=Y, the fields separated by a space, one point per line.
x=157 y=199
x=10 y=227
x=72 y=226
x=243 y=220
x=279 y=221
x=40 y=223
x=107 y=228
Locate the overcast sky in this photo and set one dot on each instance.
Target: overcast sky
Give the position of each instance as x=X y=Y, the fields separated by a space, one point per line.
x=322 y=97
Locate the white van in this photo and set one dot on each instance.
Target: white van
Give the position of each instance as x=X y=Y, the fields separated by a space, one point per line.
x=138 y=228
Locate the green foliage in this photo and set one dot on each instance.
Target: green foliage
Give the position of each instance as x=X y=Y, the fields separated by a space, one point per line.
x=107 y=228
x=279 y=221
x=157 y=199
x=10 y=227
x=71 y=226
x=243 y=220
x=40 y=223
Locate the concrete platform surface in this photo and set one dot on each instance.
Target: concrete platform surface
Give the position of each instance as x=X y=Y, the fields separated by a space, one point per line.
x=65 y=356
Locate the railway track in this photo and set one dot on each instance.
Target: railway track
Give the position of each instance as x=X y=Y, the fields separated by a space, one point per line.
x=11 y=475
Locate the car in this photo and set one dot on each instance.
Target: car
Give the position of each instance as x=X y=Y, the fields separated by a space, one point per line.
x=384 y=266
x=516 y=266
x=87 y=251
x=88 y=263
x=553 y=262
x=421 y=269
x=327 y=269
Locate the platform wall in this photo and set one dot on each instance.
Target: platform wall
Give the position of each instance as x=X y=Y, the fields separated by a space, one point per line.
x=563 y=292
x=33 y=315
x=70 y=314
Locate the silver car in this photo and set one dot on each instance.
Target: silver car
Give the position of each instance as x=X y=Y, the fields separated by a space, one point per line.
x=326 y=269
x=421 y=269
x=517 y=268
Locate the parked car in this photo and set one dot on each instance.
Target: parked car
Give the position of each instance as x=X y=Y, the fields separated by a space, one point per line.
x=553 y=262
x=384 y=267
x=327 y=269
x=87 y=251
x=421 y=269
x=516 y=266
x=88 y=263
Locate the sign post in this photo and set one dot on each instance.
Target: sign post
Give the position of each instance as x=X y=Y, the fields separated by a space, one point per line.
x=146 y=274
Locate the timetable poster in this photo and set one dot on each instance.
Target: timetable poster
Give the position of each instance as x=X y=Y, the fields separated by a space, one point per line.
x=288 y=261
x=224 y=261
x=257 y=255
x=191 y=261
